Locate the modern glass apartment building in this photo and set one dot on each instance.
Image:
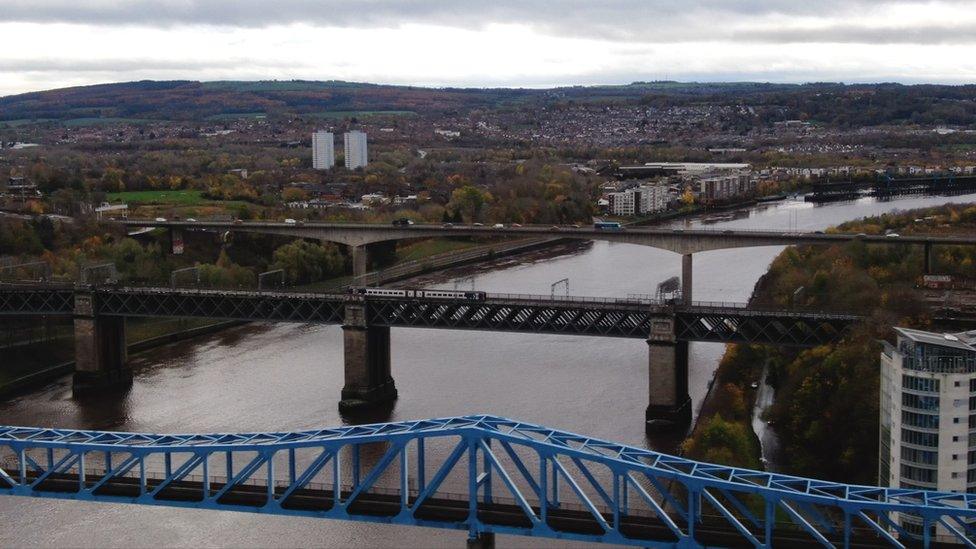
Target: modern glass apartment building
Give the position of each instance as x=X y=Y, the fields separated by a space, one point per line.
x=928 y=410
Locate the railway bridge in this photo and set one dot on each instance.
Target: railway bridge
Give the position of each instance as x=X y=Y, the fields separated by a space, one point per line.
x=99 y=314
x=479 y=474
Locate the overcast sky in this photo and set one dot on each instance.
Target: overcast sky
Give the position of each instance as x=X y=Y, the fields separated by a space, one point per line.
x=533 y=43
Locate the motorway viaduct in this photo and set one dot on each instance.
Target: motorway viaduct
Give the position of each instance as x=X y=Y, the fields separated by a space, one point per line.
x=100 y=349
x=358 y=237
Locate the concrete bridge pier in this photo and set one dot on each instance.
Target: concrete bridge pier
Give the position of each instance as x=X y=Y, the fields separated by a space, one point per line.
x=368 y=382
x=100 y=349
x=669 y=406
x=360 y=261
x=686 y=279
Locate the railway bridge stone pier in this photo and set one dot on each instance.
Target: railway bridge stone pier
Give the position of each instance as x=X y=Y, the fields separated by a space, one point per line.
x=100 y=348
x=366 y=354
x=669 y=405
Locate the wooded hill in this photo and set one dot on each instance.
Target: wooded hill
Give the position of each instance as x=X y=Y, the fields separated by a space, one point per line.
x=826 y=103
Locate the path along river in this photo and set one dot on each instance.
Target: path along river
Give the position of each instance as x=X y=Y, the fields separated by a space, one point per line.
x=288 y=377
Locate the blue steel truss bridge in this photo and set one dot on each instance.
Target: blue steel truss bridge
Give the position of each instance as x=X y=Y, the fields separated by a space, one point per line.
x=479 y=474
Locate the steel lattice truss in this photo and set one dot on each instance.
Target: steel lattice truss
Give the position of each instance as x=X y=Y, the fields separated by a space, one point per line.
x=777 y=328
x=284 y=307
x=612 y=318
x=477 y=473
x=36 y=301
x=579 y=318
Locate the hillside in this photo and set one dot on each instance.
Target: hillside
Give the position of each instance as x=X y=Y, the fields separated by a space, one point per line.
x=827 y=103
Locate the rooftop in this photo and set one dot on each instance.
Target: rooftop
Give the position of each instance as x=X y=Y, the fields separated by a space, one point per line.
x=962 y=340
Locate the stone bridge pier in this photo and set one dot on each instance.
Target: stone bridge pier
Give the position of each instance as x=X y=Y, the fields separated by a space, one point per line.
x=669 y=406
x=100 y=348
x=366 y=349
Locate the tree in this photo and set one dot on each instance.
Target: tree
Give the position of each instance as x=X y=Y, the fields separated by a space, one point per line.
x=721 y=441
x=305 y=262
x=470 y=201
x=293 y=194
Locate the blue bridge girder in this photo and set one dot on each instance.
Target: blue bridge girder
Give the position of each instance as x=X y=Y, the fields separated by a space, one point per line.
x=478 y=473
x=608 y=317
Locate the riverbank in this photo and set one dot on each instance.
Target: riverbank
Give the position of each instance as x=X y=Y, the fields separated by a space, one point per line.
x=825 y=414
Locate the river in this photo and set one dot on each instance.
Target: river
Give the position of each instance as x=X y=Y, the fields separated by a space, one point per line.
x=288 y=377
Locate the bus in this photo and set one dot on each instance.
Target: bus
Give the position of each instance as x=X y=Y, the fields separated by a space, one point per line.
x=608 y=226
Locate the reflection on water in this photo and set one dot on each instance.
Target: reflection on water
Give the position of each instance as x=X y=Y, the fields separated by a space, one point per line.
x=283 y=377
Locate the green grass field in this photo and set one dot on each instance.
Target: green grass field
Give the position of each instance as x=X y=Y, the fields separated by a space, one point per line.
x=182 y=198
x=427 y=248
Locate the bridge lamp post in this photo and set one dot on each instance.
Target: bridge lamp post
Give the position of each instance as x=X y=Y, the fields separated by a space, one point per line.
x=554 y=285
x=85 y=274
x=262 y=276
x=173 y=275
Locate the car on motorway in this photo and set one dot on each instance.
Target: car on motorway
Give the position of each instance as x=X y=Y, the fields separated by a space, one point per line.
x=290 y=221
x=448 y=225
x=191 y=220
x=238 y=222
x=575 y=225
x=477 y=224
x=554 y=228
x=498 y=226
x=517 y=225
x=161 y=219
x=892 y=235
x=402 y=222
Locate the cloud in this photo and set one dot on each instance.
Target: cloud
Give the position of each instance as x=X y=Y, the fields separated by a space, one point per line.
x=128 y=64
x=620 y=20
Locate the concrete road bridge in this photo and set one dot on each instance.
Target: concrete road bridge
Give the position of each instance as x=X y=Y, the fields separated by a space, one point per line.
x=99 y=321
x=360 y=236
x=479 y=474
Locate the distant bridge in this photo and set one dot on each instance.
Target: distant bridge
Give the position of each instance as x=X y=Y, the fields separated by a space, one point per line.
x=940 y=183
x=359 y=236
x=485 y=475
x=100 y=352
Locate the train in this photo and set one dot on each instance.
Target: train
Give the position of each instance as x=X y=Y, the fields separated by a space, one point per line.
x=420 y=294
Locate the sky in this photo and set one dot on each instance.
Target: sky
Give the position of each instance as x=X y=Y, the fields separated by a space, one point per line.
x=485 y=43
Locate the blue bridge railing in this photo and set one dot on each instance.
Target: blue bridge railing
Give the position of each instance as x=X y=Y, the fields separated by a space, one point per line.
x=482 y=474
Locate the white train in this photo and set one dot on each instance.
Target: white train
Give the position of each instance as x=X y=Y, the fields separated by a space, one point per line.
x=420 y=294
